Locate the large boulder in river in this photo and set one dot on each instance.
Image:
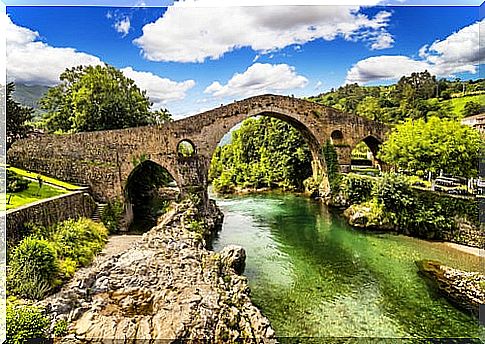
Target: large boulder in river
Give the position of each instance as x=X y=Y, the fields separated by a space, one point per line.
x=462 y=288
x=234 y=257
x=367 y=215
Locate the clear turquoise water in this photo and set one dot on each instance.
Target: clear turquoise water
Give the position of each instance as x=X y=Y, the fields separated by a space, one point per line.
x=313 y=276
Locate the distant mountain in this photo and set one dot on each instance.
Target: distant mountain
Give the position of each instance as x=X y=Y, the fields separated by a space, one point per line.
x=29 y=95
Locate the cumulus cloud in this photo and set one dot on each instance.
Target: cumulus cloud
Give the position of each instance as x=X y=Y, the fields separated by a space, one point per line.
x=459 y=52
x=188 y=34
x=123 y=26
x=159 y=90
x=34 y=62
x=257 y=79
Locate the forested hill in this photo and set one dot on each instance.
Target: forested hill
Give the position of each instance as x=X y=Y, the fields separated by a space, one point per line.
x=419 y=95
x=29 y=95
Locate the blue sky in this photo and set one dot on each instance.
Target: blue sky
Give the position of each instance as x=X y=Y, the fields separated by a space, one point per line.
x=192 y=59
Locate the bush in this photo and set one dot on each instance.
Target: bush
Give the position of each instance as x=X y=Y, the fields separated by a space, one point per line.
x=25 y=322
x=60 y=328
x=33 y=268
x=79 y=240
x=395 y=194
x=357 y=189
x=16 y=183
x=112 y=215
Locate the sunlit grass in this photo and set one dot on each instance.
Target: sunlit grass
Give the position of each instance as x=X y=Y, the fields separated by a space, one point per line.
x=32 y=194
x=49 y=180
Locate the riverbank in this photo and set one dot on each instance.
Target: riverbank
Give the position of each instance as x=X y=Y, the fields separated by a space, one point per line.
x=166 y=286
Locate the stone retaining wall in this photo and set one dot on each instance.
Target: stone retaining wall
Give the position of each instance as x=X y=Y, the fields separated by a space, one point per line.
x=47 y=212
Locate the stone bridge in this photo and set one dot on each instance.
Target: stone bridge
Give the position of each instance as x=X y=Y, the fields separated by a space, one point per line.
x=104 y=160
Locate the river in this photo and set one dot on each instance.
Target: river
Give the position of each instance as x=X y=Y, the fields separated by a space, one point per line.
x=314 y=276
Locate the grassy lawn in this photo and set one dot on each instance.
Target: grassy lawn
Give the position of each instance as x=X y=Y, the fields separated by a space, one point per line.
x=48 y=180
x=32 y=194
x=458 y=104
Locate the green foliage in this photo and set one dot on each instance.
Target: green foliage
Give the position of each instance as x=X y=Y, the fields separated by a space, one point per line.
x=33 y=268
x=112 y=215
x=331 y=160
x=439 y=144
x=356 y=189
x=394 y=192
x=25 y=322
x=264 y=152
x=49 y=256
x=418 y=95
x=472 y=108
x=91 y=98
x=60 y=328
x=79 y=240
x=17 y=119
x=16 y=183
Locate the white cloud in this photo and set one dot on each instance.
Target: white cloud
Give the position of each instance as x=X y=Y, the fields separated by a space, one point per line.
x=123 y=26
x=459 y=52
x=383 y=41
x=318 y=85
x=188 y=34
x=257 y=79
x=383 y=68
x=159 y=90
x=34 y=62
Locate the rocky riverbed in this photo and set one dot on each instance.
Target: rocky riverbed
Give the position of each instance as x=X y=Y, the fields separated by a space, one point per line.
x=167 y=286
x=465 y=289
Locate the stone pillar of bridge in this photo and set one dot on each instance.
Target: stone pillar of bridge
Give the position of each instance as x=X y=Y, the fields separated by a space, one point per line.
x=192 y=178
x=344 y=153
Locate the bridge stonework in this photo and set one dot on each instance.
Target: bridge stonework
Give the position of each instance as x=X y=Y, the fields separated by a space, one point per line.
x=104 y=160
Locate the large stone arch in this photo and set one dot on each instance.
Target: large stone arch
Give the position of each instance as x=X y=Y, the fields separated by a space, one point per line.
x=103 y=160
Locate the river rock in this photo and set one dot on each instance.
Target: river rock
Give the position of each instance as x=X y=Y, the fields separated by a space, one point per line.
x=166 y=286
x=462 y=288
x=234 y=257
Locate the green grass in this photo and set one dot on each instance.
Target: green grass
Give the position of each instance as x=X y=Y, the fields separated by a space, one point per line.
x=47 y=180
x=32 y=194
x=458 y=104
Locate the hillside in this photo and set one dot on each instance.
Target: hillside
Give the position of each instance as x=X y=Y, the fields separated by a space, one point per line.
x=29 y=95
x=419 y=95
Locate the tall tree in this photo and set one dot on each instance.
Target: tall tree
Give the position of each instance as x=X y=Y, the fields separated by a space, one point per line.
x=439 y=144
x=91 y=98
x=18 y=118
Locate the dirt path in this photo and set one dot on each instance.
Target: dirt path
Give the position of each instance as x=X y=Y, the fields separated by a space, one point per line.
x=118 y=243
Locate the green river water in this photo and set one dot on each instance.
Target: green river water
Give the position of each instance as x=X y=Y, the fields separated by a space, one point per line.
x=314 y=276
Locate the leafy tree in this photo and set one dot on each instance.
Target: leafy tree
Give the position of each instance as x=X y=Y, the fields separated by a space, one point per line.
x=18 y=118
x=264 y=152
x=370 y=108
x=472 y=108
x=439 y=144
x=420 y=85
x=91 y=98
x=16 y=183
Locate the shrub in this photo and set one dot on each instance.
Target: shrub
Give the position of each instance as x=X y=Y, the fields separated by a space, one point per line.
x=357 y=189
x=395 y=194
x=60 y=328
x=112 y=215
x=16 y=183
x=79 y=240
x=25 y=322
x=33 y=268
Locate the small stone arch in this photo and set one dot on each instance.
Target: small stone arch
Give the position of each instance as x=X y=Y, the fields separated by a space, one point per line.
x=148 y=181
x=186 y=148
x=337 y=137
